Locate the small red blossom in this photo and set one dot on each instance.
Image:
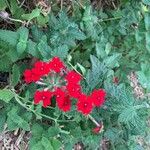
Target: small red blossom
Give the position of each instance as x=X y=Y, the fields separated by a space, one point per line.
x=42 y=68
x=56 y=64
x=98 y=97
x=59 y=94
x=84 y=105
x=73 y=77
x=74 y=90
x=31 y=75
x=44 y=96
x=116 y=80
x=97 y=129
x=64 y=104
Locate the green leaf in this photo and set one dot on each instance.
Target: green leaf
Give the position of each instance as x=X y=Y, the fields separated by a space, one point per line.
x=147 y=20
x=146 y=2
x=96 y=74
x=3 y=5
x=35 y=13
x=112 y=61
x=44 y=48
x=53 y=131
x=46 y=144
x=37 y=131
x=100 y=50
x=32 y=49
x=56 y=144
x=147 y=34
x=9 y=37
x=6 y=95
x=61 y=51
x=23 y=37
x=2 y=121
x=38 y=146
x=15 y=75
x=16 y=121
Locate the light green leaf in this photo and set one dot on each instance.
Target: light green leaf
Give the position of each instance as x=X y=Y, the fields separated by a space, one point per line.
x=96 y=74
x=147 y=20
x=46 y=144
x=61 y=51
x=44 y=48
x=108 y=48
x=35 y=13
x=15 y=75
x=53 y=131
x=147 y=2
x=6 y=95
x=100 y=50
x=147 y=34
x=3 y=5
x=112 y=61
x=23 y=37
x=56 y=144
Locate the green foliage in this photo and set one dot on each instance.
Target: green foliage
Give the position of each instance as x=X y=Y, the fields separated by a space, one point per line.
x=15 y=75
x=101 y=45
x=6 y=95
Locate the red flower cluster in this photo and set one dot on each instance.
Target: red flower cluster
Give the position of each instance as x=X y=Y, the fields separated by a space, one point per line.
x=65 y=87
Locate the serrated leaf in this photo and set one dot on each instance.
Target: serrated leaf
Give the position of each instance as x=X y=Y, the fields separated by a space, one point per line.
x=61 y=51
x=15 y=119
x=112 y=61
x=56 y=144
x=53 y=131
x=44 y=48
x=46 y=144
x=15 y=75
x=23 y=37
x=32 y=49
x=9 y=37
x=100 y=50
x=37 y=131
x=96 y=74
x=6 y=95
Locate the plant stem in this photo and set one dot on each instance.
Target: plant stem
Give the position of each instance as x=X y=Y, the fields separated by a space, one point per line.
x=93 y=120
x=17 y=98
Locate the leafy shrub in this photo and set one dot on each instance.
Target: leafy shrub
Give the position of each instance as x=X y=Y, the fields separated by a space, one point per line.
x=102 y=46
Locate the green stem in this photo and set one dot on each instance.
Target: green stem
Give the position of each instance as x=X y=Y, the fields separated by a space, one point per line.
x=110 y=19
x=17 y=98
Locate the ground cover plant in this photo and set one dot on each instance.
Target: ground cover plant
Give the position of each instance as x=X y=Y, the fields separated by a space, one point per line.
x=75 y=74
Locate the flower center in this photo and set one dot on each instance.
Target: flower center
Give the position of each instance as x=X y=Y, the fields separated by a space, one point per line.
x=42 y=68
x=85 y=104
x=43 y=97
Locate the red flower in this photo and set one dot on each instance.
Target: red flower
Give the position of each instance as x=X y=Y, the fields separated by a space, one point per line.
x=98 y=97
x=60 y=95
x=42 y=68
x=64 y=104
x=44 y=96
x=84 y=105
x=73 y=77
x=74 y=90
x=56 y=64
x=31 y=75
